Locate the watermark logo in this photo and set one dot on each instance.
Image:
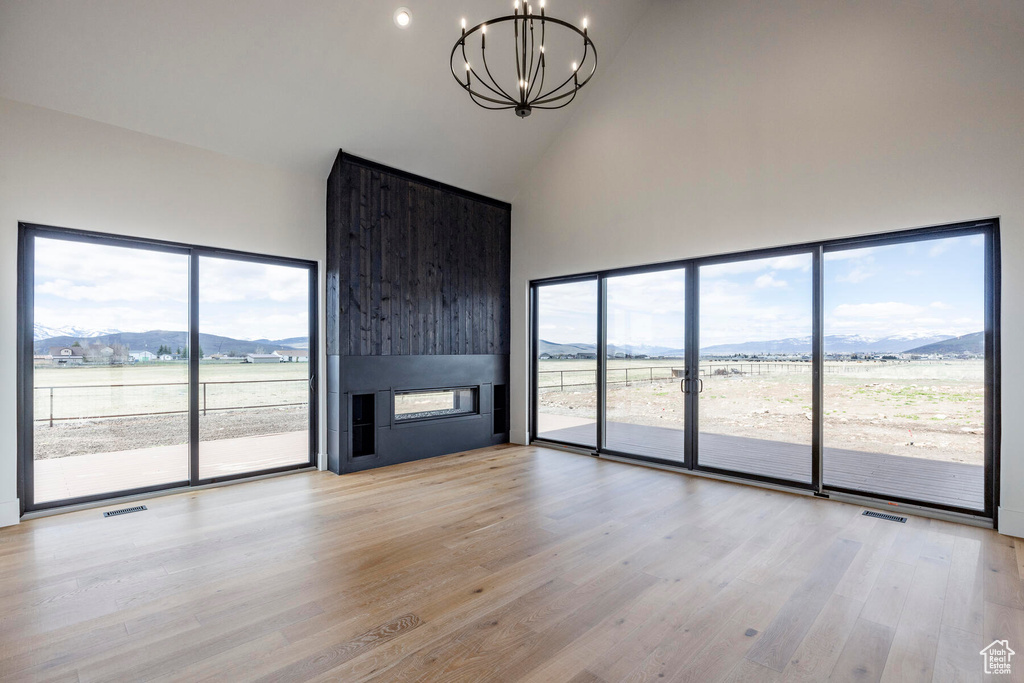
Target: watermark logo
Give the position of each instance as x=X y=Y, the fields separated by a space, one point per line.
x=997 y=657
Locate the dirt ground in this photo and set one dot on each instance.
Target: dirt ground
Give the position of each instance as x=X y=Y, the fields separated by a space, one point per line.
x=895 y=411
x=77 y=437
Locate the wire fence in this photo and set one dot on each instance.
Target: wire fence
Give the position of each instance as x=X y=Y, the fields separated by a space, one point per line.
x=103 y=401
x=562 y=379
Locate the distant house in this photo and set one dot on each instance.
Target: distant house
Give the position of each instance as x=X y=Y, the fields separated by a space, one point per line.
x=166 y=356
x=545 y=356
x=263 y=358
x=67 y=355
x=293 y=355
x=142 y=356
x=586 y=356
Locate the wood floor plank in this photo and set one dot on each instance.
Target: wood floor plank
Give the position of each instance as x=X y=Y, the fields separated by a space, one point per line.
x=957 y=656
x=783 y=636
x=819 y=651
x=863 y=658
x=964 y=607
x=509 y=563
x=884 y=603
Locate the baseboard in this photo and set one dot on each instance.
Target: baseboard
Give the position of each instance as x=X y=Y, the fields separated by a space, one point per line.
x=10 y=512
x=1011 y=522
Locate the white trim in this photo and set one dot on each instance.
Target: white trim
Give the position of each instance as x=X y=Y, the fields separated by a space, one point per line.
x=10 y=512
x=1011 y=522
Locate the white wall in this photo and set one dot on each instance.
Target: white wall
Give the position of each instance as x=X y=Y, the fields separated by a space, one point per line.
x=736 y=124
x=61 y=170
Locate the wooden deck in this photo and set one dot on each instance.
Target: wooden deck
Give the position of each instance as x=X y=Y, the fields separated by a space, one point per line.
x=85 y=475
x=932 y=481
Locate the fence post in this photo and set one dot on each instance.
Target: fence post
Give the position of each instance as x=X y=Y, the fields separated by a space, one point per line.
x=561 y=380
x=204 y=399
x=51 y=406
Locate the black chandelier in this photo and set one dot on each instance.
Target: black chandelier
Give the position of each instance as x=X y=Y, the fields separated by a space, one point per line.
x=529 y=33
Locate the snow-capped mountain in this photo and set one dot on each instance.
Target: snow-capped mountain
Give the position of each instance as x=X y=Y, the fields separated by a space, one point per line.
x=44 y=332
x=834 y=343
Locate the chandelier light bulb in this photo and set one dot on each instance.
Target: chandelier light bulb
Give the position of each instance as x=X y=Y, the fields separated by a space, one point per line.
x=467 y=66
x=584 y=23
x=484 y=29
x=463 y=23
x=574 y=66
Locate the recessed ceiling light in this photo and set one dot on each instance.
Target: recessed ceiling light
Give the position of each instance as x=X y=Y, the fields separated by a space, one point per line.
x=403 y=17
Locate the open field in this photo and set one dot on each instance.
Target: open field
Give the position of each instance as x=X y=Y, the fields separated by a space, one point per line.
x=161 y=388
x=930 y=409
x=109 y=408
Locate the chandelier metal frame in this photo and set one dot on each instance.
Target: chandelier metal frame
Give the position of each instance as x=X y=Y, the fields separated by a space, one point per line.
x=531 y=65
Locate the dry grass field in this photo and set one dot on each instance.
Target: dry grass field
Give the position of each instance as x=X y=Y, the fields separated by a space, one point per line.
x=239 y=400
x=932 y=409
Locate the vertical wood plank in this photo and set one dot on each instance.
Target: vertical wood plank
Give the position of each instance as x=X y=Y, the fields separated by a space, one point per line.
x=413 y=269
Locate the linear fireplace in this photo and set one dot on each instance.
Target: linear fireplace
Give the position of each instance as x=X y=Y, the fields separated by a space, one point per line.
x=435 y=404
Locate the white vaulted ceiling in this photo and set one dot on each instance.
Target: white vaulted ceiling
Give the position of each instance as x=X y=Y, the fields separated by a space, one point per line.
x=288 y=83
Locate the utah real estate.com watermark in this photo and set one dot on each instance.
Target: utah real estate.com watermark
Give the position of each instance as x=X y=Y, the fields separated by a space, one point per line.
x=997 y=657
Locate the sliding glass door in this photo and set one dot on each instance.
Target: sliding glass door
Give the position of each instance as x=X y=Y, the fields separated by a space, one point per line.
x=863 y=366
x=565 y=354
x=645 y=364
x=109 y=413
x=254 y=376
x=755 y=389
x=149 y=365
x=905 y=359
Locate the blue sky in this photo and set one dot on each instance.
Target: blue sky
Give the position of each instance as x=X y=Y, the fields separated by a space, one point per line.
x=923 y=288
x=133 y=290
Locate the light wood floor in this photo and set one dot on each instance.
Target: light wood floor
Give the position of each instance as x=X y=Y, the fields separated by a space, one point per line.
x=504 y=564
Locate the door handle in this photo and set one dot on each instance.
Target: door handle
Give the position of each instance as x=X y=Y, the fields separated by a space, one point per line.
x=311 y=378
x=682 y=385
x=700 y=384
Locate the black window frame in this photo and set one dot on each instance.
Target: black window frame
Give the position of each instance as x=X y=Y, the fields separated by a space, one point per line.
x=989 y=227
x=27 y=232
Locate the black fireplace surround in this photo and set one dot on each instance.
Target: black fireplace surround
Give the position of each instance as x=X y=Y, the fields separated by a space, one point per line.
x=417 y=317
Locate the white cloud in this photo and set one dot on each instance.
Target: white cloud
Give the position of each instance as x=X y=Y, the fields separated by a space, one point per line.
x=856 y=275
x=848 y=254
x=939 y=305
x=887 y=309
x=801 y=262
x=768 y=280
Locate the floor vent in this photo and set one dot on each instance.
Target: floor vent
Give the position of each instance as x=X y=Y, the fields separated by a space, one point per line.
x=125 y=511
x=882 y=515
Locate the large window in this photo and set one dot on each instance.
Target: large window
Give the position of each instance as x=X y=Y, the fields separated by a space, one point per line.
x=254 y=409
x=110 y=383
x=755 y=389
x=646 y=361
x=150 y=365
x=904 y=403
x=566 y=359
x=863 y=366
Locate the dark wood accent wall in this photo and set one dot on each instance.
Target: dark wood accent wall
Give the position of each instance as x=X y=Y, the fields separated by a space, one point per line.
x=414 y=267
x=417 y=298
